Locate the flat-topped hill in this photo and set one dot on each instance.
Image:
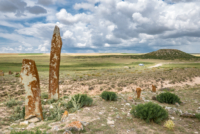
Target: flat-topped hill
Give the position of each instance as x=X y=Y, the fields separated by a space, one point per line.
x=168 y=54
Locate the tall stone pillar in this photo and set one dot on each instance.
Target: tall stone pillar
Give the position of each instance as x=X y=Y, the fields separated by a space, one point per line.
x=56 y=45
x=30 y=79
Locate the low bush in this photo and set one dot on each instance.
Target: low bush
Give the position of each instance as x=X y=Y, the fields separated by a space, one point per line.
x=109 y=96
x=198 y=116
x=149 y=112
x=168 y=97
x=44 y=96
x=169 y=124
x=28 y=132
x=12 y=102
x=19 y=113
x=54 y=113
x=78 y=101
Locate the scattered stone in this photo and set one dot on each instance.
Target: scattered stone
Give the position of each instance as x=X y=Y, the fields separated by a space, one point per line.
x=51 y=106
x=128 y=104
x=198 y=108
x=76 y=125
x=196 y=132
x=126 y=67
x=130 y=98
x=154 y=98
x=30 y=79
x=172 y=118
x=23 y=123
x=110 y=122
x=118 y=117
x=177 y=104
x=67 y=132
x=55 y=128
x=103 y=125
x=56 y=45
x=30 y=126
x=65 y=116
x=84 y=123
x=112 y=125
x=33 y=120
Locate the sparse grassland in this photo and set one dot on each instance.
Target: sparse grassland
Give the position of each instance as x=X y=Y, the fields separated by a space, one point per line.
x=95 y=74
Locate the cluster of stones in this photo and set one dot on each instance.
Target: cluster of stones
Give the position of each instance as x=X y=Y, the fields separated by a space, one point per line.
x=30 y=79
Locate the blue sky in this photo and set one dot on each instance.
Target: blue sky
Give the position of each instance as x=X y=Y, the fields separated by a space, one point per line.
x=100 y=26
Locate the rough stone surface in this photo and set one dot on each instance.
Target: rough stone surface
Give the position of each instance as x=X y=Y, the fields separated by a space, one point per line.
x=30 y=79
x=76 y=125
x=138 y=91
x=56 y=45
x=30 y=126
x=153 y=88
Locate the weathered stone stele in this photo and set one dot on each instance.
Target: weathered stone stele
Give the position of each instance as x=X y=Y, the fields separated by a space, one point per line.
x=1 y=73
x=138 y=91
x=30 y=79
x=153 y=88
x=56 y=45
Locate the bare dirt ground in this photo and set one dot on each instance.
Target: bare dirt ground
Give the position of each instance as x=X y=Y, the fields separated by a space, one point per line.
x=184 y=82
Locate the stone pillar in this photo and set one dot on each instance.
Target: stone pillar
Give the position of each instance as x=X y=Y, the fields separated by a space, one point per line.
x=138 y=91
x=1 y=73
x=56 y=45
x=153 y=88
x=30 y=79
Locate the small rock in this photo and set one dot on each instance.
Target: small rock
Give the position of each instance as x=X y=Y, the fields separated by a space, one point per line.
x=198 y=108
x=172 y=118
x=109 y=122
x=128 y=104
x=33 y=120
x=67 y=132
x=23 y=123
x=76 y=125
x=84 y=123
x=112 y=125
x=196 y=132
x=51 y=107
x=32 y=125
x=118 y=117
x=55 y=128
x=103 y=125
x=177 y=104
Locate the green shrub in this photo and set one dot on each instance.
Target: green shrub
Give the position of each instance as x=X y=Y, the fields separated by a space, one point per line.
x=109 y=96
x=18 y=75
x=198 y=116
x=12 y=102
x=168 y=97
x=19 y=113
x=44 y=96
x=54 y=113
x=149 y=112
x=27 y=132
x=78 y=101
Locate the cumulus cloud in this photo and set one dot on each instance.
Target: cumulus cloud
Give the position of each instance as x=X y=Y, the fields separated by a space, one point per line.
x=36 y=10
x=110 y=25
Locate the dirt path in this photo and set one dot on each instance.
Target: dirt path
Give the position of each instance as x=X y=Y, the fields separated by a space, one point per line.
x=157 y=65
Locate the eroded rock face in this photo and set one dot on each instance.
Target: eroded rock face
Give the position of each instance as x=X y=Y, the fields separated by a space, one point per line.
x=56 y=45
x=153 y=88
x=138 y=91
x=30 y=79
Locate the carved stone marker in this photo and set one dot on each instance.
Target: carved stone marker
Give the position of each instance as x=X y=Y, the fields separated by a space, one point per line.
x=153 y=88
x=56 y=45
x=10 y=72
x=138 y=91
x=30 y=79
x=1 y=73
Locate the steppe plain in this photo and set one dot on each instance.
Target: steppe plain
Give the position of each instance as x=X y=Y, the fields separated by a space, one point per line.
x=92 y=74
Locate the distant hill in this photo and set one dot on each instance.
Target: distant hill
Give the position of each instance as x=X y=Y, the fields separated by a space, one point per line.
x=168 y=54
